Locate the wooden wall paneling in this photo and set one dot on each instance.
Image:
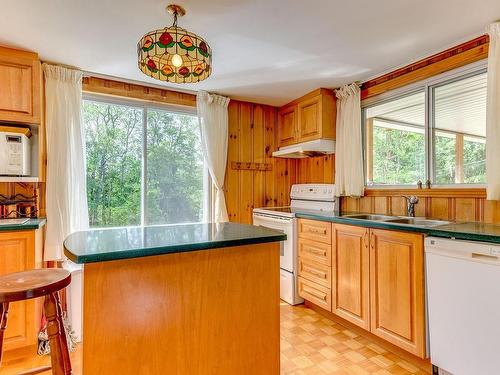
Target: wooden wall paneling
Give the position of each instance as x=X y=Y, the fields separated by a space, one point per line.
x=465 y=209
x=319 y=170
x=95 y=85
x=380 y=205
x=259 y=155
x=246 y=155
x=232 y=180
x=440 y=208
x=270 y=139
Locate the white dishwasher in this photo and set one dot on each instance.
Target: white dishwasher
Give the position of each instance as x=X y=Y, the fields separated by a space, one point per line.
x=463 y=302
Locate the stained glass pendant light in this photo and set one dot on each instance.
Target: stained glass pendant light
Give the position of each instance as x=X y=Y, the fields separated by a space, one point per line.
x=174 y=54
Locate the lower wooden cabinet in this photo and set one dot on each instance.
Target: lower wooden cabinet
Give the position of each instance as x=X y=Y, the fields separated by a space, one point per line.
x=17 y=253
x=351 y=265
x=373 y=278
x=397 y=289
x=317 y=294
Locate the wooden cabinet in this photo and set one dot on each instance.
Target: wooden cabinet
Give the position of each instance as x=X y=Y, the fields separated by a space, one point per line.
x=17 y=253
x=371 y=277
x=314 y=263
x=317 y=294
x=318 y=231
x=351 y=265
x=20 y=85
x=397 y=289
x=287 y=125
x=307 y=118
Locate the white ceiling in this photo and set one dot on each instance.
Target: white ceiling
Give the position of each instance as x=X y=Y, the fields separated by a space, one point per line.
x=266 y=51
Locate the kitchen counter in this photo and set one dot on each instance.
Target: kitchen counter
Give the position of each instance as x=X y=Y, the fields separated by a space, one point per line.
x=472 y=231
x=132 y=242
x=180 y=299
x=31 y=224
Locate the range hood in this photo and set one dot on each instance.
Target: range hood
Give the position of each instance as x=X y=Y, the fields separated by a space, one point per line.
x=318 y=147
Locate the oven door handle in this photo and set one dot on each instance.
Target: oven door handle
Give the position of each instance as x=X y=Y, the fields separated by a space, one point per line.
x=273 y=219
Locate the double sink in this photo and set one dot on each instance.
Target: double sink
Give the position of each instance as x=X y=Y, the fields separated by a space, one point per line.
x=400 y=220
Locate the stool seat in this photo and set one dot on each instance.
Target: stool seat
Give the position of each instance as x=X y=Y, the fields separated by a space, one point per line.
x=25 y=285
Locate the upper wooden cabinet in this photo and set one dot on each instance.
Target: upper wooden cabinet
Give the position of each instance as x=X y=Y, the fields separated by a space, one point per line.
x=307 y=118
x=351 y=279
x=397 y=289
x=20 y=85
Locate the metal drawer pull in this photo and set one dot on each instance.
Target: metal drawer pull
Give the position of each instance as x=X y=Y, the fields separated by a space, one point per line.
x=315 y=251
x=314 y=272
x=314 y=230
x=313 y=293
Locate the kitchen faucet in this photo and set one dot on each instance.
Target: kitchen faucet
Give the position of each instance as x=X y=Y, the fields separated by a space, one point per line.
x=410 y=205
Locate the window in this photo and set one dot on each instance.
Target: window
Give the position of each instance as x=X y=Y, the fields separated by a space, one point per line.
x=144 y=165
x=434 y=132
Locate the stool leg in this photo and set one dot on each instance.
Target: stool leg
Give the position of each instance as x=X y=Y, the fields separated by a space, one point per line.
x=4 y=311
x=59 y=353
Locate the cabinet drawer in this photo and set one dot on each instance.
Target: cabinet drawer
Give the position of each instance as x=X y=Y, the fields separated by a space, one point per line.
x=317 y=294
x=317 y=272
x=315 y=230
x=317 y=251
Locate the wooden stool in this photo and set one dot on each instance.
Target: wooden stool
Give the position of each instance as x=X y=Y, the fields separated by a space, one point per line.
x=25 y=285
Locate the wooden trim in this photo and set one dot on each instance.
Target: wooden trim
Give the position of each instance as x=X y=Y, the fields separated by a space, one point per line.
x=433 y=192
x=310 y=95
x=95 y=85
x=455 y=57
x=423 y=364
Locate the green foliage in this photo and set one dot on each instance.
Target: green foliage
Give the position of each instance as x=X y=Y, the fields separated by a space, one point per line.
x=474 y=162
x=114 y=154
x=175 y=169
x=114 y=142
x=398 y=156
x=445 y=160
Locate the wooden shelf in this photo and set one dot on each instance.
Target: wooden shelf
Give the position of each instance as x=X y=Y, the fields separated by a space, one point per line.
x=18 y=179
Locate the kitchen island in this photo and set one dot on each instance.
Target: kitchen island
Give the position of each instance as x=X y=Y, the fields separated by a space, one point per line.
x=179 y=299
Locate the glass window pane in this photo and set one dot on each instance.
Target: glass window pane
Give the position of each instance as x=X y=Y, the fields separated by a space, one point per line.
x=174 y=168
x=395 y=141
x=114 y=162
x=474 y=160
x=459 y=130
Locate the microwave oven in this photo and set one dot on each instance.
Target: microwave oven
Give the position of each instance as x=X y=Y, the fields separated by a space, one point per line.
x=15 y=153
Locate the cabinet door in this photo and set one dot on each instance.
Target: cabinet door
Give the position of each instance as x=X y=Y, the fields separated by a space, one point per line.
x=309 y=119
x=287 y=125
x=20 y=79
x=351 y=273
x=17 y=254
x=397 y=289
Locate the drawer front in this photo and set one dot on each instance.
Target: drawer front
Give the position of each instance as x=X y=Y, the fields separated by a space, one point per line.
x=315 y=293
x=316 y=272
x=315 y=230
x=317 y=251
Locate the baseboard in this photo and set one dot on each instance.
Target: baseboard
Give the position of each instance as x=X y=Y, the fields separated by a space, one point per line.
x=423 y=364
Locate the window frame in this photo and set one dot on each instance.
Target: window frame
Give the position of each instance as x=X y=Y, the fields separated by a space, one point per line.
x=427 y=86
x=144 y=106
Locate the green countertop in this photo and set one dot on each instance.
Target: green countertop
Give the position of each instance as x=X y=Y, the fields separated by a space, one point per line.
x=472 y=231
x=133 y=242
x=29 y=225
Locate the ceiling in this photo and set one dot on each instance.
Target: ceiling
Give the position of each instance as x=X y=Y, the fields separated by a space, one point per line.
x=265 y=51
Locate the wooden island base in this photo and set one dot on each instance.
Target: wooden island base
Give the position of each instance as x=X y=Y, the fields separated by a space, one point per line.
x=201 y=312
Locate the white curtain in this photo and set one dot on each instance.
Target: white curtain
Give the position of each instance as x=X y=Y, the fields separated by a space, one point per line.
x=349 y=179
x=213 y=120
x=493 y=115
x=67 y=209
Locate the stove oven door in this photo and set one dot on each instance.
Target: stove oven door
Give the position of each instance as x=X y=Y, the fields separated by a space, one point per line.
x=288 y=247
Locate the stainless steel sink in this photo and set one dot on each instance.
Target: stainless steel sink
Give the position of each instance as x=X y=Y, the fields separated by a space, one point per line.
x=371 y=217
x=418 y=221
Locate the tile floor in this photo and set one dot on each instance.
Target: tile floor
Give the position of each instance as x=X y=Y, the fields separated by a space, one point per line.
x=310 y=345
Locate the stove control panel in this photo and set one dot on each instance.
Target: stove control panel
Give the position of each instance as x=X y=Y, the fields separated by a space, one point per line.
x=314 y=192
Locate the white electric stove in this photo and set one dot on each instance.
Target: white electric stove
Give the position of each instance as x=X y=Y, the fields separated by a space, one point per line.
x=304 y=197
